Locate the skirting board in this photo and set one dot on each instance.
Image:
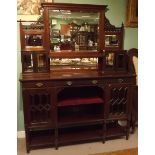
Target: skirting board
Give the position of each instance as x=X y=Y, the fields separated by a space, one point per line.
x=21 y=134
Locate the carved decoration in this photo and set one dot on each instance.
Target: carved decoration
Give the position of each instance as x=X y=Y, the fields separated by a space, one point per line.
x=111 y=28
x=118 y=100
x=39 y=108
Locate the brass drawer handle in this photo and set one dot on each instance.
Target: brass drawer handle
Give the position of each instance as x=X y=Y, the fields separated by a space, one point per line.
x=94 y=81
x=120 y=80
x=69 y=83
x=39 y=84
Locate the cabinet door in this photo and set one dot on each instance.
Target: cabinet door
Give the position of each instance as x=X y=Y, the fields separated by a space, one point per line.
x=118 y=101
x=37 y=107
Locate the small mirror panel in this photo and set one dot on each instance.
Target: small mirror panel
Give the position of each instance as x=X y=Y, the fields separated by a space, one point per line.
x=110 y=59
x=33 y=40
x=111 y=41
x=28 y=63
x=41 y=62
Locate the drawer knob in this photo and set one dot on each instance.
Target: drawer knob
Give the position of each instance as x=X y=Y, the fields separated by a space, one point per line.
x=39 y=84
x=120 y=80
x=69 y=83
x=94 y=81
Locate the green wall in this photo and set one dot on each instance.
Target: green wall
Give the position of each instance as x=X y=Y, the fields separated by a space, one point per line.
x=116 y=14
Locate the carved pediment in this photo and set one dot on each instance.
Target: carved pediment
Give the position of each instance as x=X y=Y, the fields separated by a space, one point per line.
x=110 y=27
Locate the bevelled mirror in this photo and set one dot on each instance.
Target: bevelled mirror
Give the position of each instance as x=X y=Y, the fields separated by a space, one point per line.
x=73 y=30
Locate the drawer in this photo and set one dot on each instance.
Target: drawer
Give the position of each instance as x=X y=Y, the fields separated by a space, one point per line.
x=75 y=82
x=38 y=84
x=121 y=80
x=80 y=82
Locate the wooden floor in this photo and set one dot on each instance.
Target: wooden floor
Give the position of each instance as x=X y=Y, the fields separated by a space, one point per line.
x=133 y=151
x=95 y=148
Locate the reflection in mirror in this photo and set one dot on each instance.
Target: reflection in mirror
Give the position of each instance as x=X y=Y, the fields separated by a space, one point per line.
x=75 y=63
x=41 y=58
x=110 y=59
x=111 y=40
x=33 y=40
x=74 y=31
x=28 y=63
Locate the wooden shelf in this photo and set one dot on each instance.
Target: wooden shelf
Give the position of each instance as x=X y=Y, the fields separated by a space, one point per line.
x=34 y=49
x=81 y=119
x=115 y=130
x=80 y=134
x=41 y=138
x=77 y=115
x=79 y=101
x=74 y=54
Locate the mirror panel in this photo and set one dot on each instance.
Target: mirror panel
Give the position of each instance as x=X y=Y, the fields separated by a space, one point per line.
x=41 y=62
x=33 y=40
x=74 y=31
x=111 y=41
x=74 y=63
x=27 y=62
x=110 y=59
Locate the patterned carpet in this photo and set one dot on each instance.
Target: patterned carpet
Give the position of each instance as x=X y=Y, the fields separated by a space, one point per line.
x=133 y=151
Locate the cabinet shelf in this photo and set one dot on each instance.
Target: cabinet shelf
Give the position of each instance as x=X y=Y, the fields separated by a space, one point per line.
x=115 y=130
x=76 y=120
x=77 y=115
x=44 y=138
x=74 y=54
x=80 y=134
x=73 y=96
x=79 y=101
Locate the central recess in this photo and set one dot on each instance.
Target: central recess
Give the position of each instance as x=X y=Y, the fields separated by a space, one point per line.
x=80 y=95
x=73 y=102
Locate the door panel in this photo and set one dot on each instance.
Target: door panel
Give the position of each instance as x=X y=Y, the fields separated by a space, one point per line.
x=118 y=100
x=38 y=107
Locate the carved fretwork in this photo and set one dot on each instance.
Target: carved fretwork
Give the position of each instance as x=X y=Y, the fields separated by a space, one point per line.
x=118 y=100
x=34 y=26
x=40 y=108
x=111 y=28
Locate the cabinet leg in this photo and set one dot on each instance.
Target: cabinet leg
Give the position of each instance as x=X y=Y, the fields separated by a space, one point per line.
x=127 y=136
x=127 y=130
x=104 y=132
x=28 y=150
x=133 y=128
x=27 y=137
x=133 y=125
x=56 y=139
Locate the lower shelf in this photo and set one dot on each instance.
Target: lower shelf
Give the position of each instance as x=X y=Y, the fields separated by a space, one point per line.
x=80 y=134
x=80 y=115
x=44 y=138
x=80 y=101
x=75 y=134
x=115 y=130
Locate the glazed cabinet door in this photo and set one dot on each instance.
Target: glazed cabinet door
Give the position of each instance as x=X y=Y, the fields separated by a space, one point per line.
x=118 y=101
x=38 y=107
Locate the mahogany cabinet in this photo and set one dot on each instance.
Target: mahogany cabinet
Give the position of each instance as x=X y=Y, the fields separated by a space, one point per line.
x=75 y=89
x=86 y=107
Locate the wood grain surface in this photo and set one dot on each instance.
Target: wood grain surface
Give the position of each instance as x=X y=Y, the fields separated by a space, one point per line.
x=133 y=151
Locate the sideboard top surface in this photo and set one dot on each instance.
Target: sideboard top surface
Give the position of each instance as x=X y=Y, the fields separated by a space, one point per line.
x=71 y=75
